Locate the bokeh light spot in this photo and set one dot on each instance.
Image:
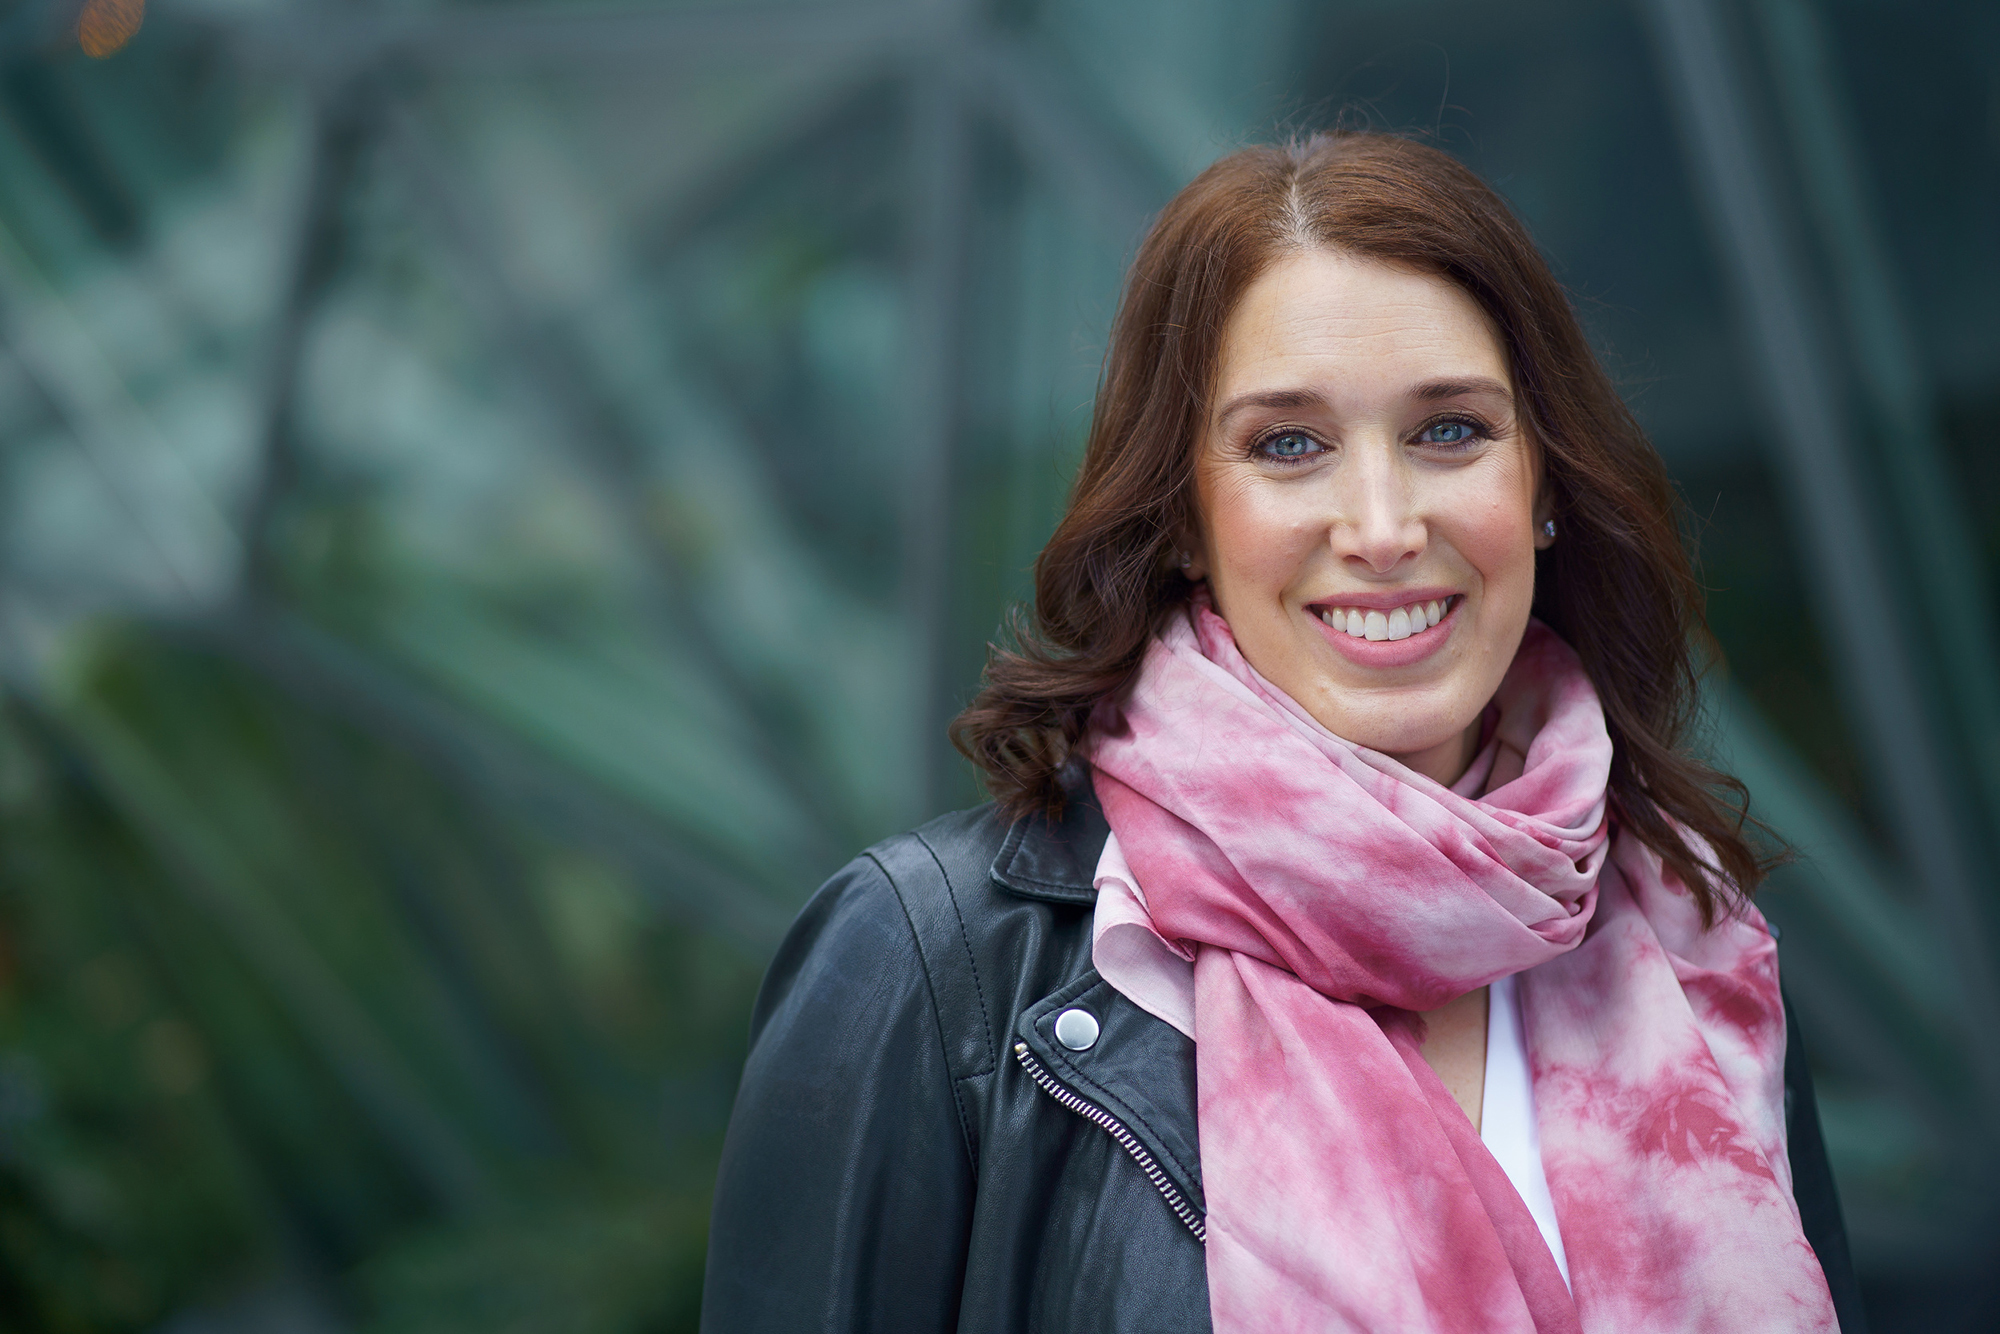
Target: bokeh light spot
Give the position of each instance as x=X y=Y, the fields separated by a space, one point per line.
x=106 y=25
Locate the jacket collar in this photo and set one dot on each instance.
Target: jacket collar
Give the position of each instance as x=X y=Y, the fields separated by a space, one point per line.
x=1056 y=860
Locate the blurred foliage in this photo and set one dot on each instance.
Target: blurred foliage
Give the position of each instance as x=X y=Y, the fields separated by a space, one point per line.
x=274 y=996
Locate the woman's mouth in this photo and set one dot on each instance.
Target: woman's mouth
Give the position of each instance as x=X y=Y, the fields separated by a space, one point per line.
x=1396 y=623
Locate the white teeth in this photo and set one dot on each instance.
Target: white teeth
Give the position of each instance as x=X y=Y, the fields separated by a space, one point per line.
x=1400 y=623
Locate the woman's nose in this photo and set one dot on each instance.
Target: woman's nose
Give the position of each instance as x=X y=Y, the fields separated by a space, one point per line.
x=1380 y=526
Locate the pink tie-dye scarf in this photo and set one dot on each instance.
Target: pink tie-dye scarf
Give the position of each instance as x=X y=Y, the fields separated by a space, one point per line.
x=1325 y=892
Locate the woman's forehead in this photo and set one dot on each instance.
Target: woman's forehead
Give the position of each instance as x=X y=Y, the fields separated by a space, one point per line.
x=1337 y=324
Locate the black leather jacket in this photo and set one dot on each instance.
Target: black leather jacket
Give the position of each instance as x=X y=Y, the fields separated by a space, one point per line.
x=912 y=1150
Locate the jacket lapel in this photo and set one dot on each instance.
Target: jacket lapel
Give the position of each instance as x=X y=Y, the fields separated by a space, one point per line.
x=1138 y=1069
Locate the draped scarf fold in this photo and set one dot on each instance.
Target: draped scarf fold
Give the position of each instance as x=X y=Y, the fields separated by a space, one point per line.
x=1323 y=895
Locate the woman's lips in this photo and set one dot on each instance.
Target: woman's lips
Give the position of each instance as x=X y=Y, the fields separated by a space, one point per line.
x=1389 y=637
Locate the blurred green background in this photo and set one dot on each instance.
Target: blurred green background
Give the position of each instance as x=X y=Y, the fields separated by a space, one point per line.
x=500 y=500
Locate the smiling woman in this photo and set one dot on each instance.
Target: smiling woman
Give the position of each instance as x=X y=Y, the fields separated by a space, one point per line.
x=1354 y=943
x=1368 y=510
x=1368 y=503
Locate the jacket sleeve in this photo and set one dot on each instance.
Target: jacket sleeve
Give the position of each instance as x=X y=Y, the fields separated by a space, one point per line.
x=1812 y=1183
x=844 y=1198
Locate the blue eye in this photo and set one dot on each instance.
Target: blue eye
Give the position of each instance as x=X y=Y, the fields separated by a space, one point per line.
x=1290 y=445
x=1448 y=433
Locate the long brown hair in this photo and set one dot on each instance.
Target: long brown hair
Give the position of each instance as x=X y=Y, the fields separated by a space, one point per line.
x=1617 y=585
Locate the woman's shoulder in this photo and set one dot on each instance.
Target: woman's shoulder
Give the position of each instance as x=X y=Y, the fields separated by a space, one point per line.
x=907 y=878
x=979 y=859
x=972 y=867
x=970 y=908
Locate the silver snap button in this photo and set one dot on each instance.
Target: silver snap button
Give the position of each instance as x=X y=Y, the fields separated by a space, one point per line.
x=1076 y=1029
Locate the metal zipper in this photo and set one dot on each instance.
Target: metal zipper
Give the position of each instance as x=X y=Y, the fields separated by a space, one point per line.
x=1126 y=1140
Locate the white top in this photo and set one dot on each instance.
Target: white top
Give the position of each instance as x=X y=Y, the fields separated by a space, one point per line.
x=1507 y=1113
x=1159 y=979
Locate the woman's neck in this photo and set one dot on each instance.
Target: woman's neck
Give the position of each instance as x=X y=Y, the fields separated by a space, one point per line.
x=1446 y=762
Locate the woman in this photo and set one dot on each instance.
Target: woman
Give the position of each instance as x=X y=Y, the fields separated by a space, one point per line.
x=1352 y=944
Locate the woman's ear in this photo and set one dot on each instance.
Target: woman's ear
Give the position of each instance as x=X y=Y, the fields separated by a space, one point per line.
x=1543 y=516
x=1545 y=522
x=1188 y=558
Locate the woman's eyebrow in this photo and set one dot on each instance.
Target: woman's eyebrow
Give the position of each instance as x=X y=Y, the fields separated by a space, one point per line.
x=1433 y=390
x=1270 y=398
x=1430 y=391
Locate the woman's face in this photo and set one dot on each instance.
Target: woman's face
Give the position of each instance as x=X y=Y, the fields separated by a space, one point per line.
x=1368 y=502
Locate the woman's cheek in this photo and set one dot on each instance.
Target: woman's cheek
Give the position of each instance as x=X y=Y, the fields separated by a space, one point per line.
x=1264 y=537
x=1496 y=530
x=1495 y=539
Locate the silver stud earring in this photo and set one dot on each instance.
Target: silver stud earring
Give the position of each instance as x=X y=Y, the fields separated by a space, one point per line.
x=1187 y=562
x=1548 y=527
